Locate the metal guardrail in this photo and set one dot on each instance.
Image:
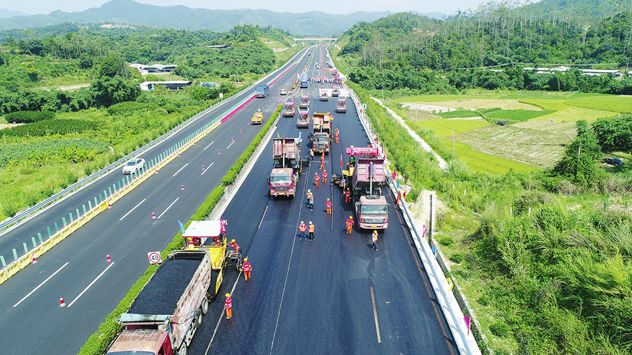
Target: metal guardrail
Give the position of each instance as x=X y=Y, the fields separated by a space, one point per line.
x=450 y=307
x=32 y=211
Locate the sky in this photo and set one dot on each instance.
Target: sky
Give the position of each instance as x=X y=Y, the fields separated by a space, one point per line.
x=330 y=6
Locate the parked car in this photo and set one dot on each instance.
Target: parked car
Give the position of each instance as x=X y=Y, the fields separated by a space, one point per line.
x=133 y=166
x=613 y=161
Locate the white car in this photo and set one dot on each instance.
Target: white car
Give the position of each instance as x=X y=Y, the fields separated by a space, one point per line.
x=283 y=92
x=133 y=166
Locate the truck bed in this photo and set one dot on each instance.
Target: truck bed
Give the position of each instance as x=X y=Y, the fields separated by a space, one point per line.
x=163 y=291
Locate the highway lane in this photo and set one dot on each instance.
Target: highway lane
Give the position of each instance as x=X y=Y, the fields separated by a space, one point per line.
x=32 y=321
x=15 y=238
x=331 y=295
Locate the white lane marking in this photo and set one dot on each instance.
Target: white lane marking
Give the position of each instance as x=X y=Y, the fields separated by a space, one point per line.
x=40 y=285
x=221 y=316
x=377 y=321
x=231 y=143
x=205 y=148
x=165 y=211
x=90 y=285
x=208 y=167
x=132 y=210
x=184 y=166
x=262 y=217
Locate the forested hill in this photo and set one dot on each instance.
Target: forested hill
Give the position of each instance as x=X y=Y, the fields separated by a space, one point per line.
x=582 y=11
x=182 y=17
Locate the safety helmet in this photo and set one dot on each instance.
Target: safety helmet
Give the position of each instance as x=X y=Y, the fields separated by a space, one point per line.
x=350 y=217
x=302 y=222
x=308 y=190
x=310 y=222
x=232 y=241
x=227 y=295
x=246 y=259
x=327 y=198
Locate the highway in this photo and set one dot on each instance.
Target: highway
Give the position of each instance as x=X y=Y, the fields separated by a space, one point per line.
x=76 y=269
x=333 y=295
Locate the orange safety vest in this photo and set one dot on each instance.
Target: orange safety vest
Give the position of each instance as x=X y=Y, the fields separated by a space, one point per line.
x=325 y=173
x=312 y=228
x=228 y=304
x=247 y=266
x=302 y=227
x=316 y=177
x=349 y=222
x=328 y=204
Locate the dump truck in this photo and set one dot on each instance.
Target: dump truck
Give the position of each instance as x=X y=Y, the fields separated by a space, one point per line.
x=286 y=154
x=323 y=94
x=366 y=175
x=289 y=108
x=335 y=92
x=341 y=105
x=257 y=118
x=321 y=136
x=168 y=311
x=303 y=119
x=304 y=102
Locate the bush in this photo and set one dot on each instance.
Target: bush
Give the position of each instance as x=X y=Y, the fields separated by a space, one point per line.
x=29 y=116
x=444 y=240
x=457 y=258
x=50 y=127
x=500 y=329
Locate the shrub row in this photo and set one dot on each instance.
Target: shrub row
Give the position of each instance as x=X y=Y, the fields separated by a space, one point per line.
x=110 y=327
x=29 y=116
x=50 y=127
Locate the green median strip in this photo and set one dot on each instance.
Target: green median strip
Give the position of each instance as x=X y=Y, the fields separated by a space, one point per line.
x=110 y=327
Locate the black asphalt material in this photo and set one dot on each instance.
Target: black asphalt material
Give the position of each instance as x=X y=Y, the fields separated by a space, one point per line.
x=163 y=291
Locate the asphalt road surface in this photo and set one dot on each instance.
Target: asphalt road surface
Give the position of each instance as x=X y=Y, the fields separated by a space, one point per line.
x=32 y=321
x=333 y=295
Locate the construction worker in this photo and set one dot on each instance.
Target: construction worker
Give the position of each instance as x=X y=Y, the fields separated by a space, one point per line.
x=228 y=306
x=247 y=268
x=322 y=161
x=399 y=198
x=337 y=135
x=325 y=175
x=302 y=228
x=316 y=179
x=311 y=154
x=311 y=230
x=234 y=245
x=374 y=240
x=347 y=195
x=310 y=199
x=328 y=207
x=349 y=224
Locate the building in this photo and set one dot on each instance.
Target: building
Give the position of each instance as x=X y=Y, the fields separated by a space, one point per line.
x=171 y=85
x=155 y=68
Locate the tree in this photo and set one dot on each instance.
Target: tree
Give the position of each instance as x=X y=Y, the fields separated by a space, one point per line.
x=109 y=91
x=579 y=162
x=614 y=134
x=112 y=65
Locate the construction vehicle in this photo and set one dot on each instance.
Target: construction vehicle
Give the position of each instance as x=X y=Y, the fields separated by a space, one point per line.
x=323 y=94
x=304 y=102
x=168 y=311
x=335 y=92
x=286 y=154
x=303 y=119
x=365 y=175
x=262 y=91
x=321 y=136
x=257 y=118
x=341 y=105
x=289 y=108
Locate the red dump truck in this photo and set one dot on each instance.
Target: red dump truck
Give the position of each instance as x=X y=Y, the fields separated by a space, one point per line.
x=341 y=105
x=303 y=119
x=366 y=176
x=304 y=102
x=289 y=109
x=321 y=136
x=168 y=311
x=286 y=154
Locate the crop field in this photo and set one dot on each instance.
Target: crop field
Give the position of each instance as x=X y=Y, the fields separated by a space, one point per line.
x=538 y=124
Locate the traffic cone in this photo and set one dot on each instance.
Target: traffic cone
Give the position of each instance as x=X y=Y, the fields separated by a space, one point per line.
x=109 y=205
x=182 y=187
x=34 y=260
x=108 y=259
x=62 y=303
x=153 y=216
x=203 y=167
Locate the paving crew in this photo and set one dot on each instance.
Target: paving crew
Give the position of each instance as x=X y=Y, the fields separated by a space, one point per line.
x=310 y=199
x=302 y=228
x=374 y=240
x=347 y=195
x=328 y=206
x=311 y=230
x=316 y=179
x=325 y=175
x=234 y=245
x=349 y=224
x=247 y=268
x=228 y=306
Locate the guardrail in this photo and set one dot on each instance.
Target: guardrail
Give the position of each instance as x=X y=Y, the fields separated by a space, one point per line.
x=463 y=337
x=24 y=215
x=82 y=214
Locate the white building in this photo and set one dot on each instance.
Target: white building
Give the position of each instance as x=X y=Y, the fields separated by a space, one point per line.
x=155 y=68
x=171 y=85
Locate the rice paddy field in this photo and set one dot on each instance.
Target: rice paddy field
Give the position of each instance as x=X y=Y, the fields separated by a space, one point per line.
x=501 y=131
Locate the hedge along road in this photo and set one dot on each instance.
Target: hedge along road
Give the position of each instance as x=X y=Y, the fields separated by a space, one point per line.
x=332 y=295
x=77 y=270
x=25 y=233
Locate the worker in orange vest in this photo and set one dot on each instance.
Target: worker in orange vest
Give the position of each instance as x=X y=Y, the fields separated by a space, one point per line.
x=302 y=228
x=322 y=161
x=349 y=223
x=247 y=268
x=337 y=135
x=316 y=179
x=234 y=245
x=325 y=175
x=311 y=230
x=328 y=206
x=347 y=195
x=399 y=198
x=228 y=306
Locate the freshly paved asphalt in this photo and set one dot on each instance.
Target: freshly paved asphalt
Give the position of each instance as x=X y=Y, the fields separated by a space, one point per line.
x=76 y=269
x=314 y=297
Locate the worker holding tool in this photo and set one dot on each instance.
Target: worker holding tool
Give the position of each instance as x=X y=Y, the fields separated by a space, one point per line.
x=247 y=268
x=228 y=306
x=328 y=207
x=234 y=245
x=349 y=224
x=325 y=175
x=311 y=230
x=337 y=135
x=302 y=228
x=316 y=179
x=322 y=161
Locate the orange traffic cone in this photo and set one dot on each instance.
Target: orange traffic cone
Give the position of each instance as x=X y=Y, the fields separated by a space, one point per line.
x=62 y=303
x=153 y=216
x=108 y=259
x=34 y=260
x=109 y=205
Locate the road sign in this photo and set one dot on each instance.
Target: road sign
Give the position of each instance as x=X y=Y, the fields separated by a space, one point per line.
x=154 y=257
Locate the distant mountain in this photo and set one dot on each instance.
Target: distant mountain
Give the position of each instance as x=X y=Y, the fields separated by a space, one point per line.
x=4 y=13
x=586 y=11
x=182 y=17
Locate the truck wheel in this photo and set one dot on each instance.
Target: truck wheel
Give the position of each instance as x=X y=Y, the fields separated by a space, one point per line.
x=205 y=305
x=199 y=318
